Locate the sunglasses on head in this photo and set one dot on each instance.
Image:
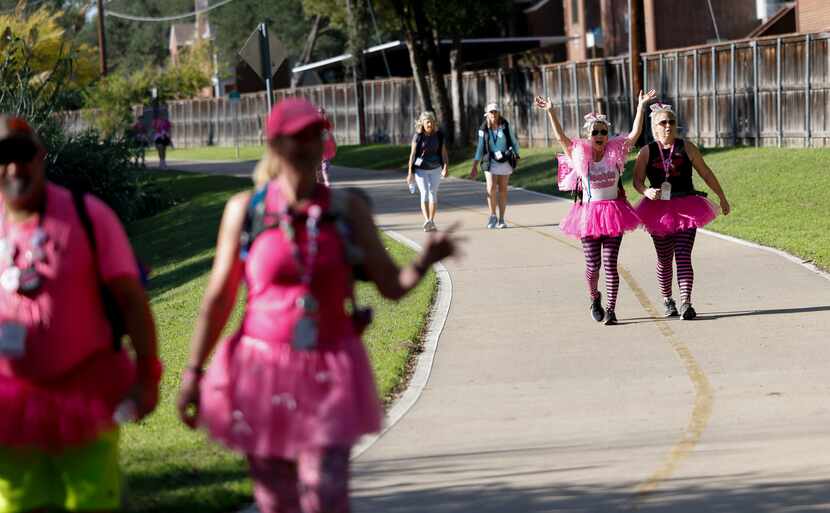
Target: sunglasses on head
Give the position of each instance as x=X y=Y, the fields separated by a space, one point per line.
x=669 y=122
x=599 y=132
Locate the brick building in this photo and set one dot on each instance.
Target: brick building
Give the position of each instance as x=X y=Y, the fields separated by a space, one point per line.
x=813 y=15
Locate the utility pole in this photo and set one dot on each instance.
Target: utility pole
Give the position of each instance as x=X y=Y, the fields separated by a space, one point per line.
x=634 y=53
x=102 y=40
x=265 y=56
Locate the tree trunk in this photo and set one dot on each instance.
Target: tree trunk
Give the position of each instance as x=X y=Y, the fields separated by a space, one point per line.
x=456 y=86
x=305 y=57
x=358 y=39
x=438 y=89
x=419 y=71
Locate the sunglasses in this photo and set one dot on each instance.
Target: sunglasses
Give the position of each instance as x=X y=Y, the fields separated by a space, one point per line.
x=16 y=151
x=599 y=132
x=669 y=122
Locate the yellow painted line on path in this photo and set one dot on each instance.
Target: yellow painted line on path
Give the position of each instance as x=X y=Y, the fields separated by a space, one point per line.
x=704 y=395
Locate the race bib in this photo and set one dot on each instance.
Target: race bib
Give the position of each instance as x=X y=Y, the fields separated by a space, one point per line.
x=665 y=191
x=498 y=155
x=418 y=161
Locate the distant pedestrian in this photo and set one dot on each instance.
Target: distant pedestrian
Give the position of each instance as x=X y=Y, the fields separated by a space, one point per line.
x=329 y=151
x=601 y=214
x=672 y=209
x=293 y=389
x=68 y=281
x=428 y=163
x=498 y=150
x=161 y=137
x=137 y=136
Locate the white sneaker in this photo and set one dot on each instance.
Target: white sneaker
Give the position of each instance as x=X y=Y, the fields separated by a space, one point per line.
x=432 y=227
x=501 y=225
x=427 y=226
x=491 y=223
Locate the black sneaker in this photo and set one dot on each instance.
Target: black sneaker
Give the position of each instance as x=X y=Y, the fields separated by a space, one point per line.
x=671 y=308
x=597 y=312
x=687 y=312
x=610 y=318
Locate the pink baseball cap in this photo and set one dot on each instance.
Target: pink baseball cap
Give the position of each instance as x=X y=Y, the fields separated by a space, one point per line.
x=292 y=115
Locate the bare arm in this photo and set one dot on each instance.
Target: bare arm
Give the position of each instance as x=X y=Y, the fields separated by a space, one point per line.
x=637 y=128
x=547 y=105
x=708 y=176
x=138 y=320
x=446 y=156
x=393 y=282
x=411 y=162
x=640 y=175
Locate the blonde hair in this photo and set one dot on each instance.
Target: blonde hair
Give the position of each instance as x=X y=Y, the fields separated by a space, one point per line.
x=423 y=118
x=266 y=169
x=654 y=125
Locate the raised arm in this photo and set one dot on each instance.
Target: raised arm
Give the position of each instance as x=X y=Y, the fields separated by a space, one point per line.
x=637 y=128
x=547 y=105
x=411 y=161
x=708 y=176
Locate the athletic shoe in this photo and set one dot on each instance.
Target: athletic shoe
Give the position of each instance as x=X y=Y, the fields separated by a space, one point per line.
x=610 y=318
x=687 y=312
x=426 y=226
x=432 y=227
x=501 y=224
x=597 y=312
x=671 y=308
x=491 y=223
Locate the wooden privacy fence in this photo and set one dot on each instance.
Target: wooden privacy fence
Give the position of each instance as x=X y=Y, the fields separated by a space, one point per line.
x=765 y=92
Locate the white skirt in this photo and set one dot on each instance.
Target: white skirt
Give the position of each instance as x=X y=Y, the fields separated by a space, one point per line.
x=500 y=168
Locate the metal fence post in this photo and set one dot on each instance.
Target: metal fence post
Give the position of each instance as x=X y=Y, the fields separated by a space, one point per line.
x=546 y=92
x=807 y=99
x=696 y=62
x=575 y=87
x=733 y=119
x=778 y=91
x=561 y=95
x=591 y=86
x=661 y=74
x=677 y=83
x=715 y=93
x=756 y=93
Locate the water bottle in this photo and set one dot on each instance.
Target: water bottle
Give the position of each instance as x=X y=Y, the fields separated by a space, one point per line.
x=412 y=187
x=126 y=412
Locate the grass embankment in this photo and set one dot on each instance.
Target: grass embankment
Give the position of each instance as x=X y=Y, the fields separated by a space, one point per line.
x=168 y=467
x=780 y=197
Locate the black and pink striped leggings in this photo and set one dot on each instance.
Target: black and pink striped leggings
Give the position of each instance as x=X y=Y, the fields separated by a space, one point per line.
x=676 y=247
x=607 y=249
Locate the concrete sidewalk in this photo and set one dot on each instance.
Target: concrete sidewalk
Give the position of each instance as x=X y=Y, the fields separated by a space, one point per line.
x=532 y=406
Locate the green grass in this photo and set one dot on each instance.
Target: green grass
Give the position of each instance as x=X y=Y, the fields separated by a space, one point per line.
x=780 y=197
x=168 y=467
x=214 y=153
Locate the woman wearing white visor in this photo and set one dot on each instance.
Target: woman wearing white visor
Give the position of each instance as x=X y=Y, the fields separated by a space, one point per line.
x=499 y=147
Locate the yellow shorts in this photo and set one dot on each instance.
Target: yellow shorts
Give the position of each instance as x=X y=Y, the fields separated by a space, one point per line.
x=82 y=478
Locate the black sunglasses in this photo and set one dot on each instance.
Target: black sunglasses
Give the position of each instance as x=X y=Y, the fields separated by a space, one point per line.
x=17 y=150
x=599 y=132
x=665 y=122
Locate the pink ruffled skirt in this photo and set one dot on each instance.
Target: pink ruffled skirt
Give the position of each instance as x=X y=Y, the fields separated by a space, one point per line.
x=675 y=215
x=268 y=400
x=600 y=218
x=67 y=412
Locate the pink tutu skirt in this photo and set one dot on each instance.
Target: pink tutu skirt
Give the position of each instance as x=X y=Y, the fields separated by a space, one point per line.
x=68 y=412
x=268 y=400
x=600 y=218
x=675 y=215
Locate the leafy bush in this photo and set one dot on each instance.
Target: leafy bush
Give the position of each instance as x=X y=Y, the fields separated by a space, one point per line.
x=86 y=161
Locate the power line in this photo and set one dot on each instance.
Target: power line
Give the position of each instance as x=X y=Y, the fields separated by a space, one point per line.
x=714 y=22
x=130 y=17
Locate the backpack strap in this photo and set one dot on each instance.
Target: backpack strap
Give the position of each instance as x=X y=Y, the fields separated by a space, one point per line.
x=111 y=308
x=254 y=223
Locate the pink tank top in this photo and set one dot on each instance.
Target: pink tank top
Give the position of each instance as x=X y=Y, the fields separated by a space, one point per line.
x=275 y=283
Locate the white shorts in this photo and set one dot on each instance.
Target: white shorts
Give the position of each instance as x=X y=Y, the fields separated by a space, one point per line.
x=500 y=168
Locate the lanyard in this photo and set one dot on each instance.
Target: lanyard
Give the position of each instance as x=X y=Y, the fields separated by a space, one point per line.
x=667 y=165
x=312 y=230
x=493 y=137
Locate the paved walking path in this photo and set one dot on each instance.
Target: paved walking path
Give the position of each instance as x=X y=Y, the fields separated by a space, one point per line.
x=533 y=407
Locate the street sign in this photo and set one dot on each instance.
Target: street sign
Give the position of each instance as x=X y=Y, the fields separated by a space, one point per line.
x=251 y=53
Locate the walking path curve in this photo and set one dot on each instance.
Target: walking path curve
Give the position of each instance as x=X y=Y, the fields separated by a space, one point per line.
x=533 y=407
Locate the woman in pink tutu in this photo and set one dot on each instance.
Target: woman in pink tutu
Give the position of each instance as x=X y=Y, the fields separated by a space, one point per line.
x=601 y=213
x=329 y=151
x=672 y=209
x=293 y=389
